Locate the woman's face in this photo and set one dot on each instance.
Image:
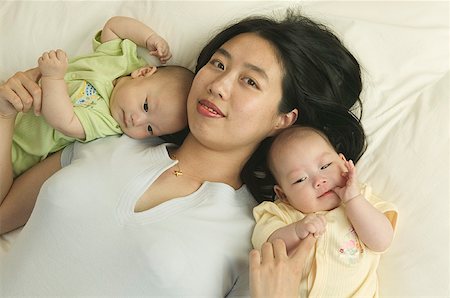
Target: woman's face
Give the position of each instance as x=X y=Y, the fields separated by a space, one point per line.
x=234 y=99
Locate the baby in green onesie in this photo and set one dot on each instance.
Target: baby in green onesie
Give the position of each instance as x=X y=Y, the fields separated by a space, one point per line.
x=111 y=91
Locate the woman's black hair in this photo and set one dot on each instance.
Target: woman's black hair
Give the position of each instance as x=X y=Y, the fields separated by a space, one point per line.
x=322 y=79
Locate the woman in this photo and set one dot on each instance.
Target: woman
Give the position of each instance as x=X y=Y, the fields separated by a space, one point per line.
x=172 y=218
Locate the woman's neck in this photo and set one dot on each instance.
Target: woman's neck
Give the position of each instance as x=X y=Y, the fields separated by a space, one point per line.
x=206 y=164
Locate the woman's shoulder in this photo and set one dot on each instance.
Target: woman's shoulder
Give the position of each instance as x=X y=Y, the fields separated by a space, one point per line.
x=228 y=195
x=117 y=147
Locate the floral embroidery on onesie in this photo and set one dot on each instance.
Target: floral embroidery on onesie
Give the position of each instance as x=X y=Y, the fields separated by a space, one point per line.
x=86 y=96
x=350 y=248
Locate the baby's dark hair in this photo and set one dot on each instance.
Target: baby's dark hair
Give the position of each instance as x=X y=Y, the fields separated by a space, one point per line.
x=289 y=133
x=343 y=131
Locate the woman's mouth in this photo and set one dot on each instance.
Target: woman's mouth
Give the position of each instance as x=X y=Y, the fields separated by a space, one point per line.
x=209 y=109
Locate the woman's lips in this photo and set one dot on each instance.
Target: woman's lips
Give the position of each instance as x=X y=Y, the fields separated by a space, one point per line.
x=209 y=109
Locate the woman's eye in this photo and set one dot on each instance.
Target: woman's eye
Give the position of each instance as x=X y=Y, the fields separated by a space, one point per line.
x=146 y=106
x=218 y=64
x=325 y=166
x=250 y=82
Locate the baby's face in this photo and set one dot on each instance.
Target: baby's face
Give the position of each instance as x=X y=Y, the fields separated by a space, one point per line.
x=143 y=107
x=307 y=169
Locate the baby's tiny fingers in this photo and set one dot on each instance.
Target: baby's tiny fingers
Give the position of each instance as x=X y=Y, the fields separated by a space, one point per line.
x=45 y=56
x=52 y=54
x=322 y=219
x=61 y=55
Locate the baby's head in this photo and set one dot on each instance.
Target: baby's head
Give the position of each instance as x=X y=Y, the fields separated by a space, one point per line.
x=306 y=169
x=152 y=101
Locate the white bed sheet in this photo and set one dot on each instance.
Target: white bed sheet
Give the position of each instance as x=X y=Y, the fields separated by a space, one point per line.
x=403 y=48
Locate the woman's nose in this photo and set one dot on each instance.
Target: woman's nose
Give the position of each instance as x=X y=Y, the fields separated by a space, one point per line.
x=221 y=86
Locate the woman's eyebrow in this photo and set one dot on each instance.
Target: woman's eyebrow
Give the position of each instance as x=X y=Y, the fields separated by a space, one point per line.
x=250 y=66
x=224 y=52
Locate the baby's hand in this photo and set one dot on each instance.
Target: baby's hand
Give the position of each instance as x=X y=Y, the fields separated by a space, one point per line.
x=53 y=64
x=311 y=224
x=158 y=47
x=351 y=188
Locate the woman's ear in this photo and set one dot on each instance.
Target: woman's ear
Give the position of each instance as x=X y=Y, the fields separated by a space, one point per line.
x=286 y=120
x=342 y=157
x=279 y=192
x=145 y=71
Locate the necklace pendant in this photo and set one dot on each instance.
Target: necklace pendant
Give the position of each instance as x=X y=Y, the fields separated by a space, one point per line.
x=178 y=173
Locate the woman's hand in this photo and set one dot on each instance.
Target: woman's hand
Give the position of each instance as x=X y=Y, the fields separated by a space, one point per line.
x=20 y=93
x=275 y=274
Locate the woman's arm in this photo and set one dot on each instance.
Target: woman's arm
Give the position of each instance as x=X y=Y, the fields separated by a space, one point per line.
x=137 y=32
x=17 y=206
x=20 y=93
x=6 y=170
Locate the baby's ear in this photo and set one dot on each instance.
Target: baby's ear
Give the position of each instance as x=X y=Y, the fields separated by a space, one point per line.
x=279 y=192
x=145 y=71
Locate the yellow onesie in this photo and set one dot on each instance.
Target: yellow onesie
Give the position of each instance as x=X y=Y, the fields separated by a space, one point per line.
x=340 y=265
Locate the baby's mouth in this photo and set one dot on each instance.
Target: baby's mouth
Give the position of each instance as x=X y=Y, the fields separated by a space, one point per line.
x=328 y=192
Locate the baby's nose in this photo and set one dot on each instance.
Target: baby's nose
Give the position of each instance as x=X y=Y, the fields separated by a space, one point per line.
x=139 y=119
x=320 y=181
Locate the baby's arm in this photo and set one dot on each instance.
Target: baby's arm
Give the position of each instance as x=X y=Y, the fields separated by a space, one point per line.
x=139 y=33
x=57 y=108
x=294 y=233
x=371 y=225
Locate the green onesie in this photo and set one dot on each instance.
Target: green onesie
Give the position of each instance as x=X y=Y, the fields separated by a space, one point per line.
x=90 y=83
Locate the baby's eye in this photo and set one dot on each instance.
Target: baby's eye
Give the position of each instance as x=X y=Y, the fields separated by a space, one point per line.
x=149 y=129
x=218 y=64
x=146 y=106
x=300 y=180
x=325 y=166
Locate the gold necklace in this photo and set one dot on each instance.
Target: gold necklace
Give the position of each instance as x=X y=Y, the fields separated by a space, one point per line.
x=177 y=172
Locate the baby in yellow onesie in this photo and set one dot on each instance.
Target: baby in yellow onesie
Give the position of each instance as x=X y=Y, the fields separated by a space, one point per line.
x=318 y=193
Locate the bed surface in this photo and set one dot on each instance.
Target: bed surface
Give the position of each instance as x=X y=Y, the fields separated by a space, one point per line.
x=403 y=48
